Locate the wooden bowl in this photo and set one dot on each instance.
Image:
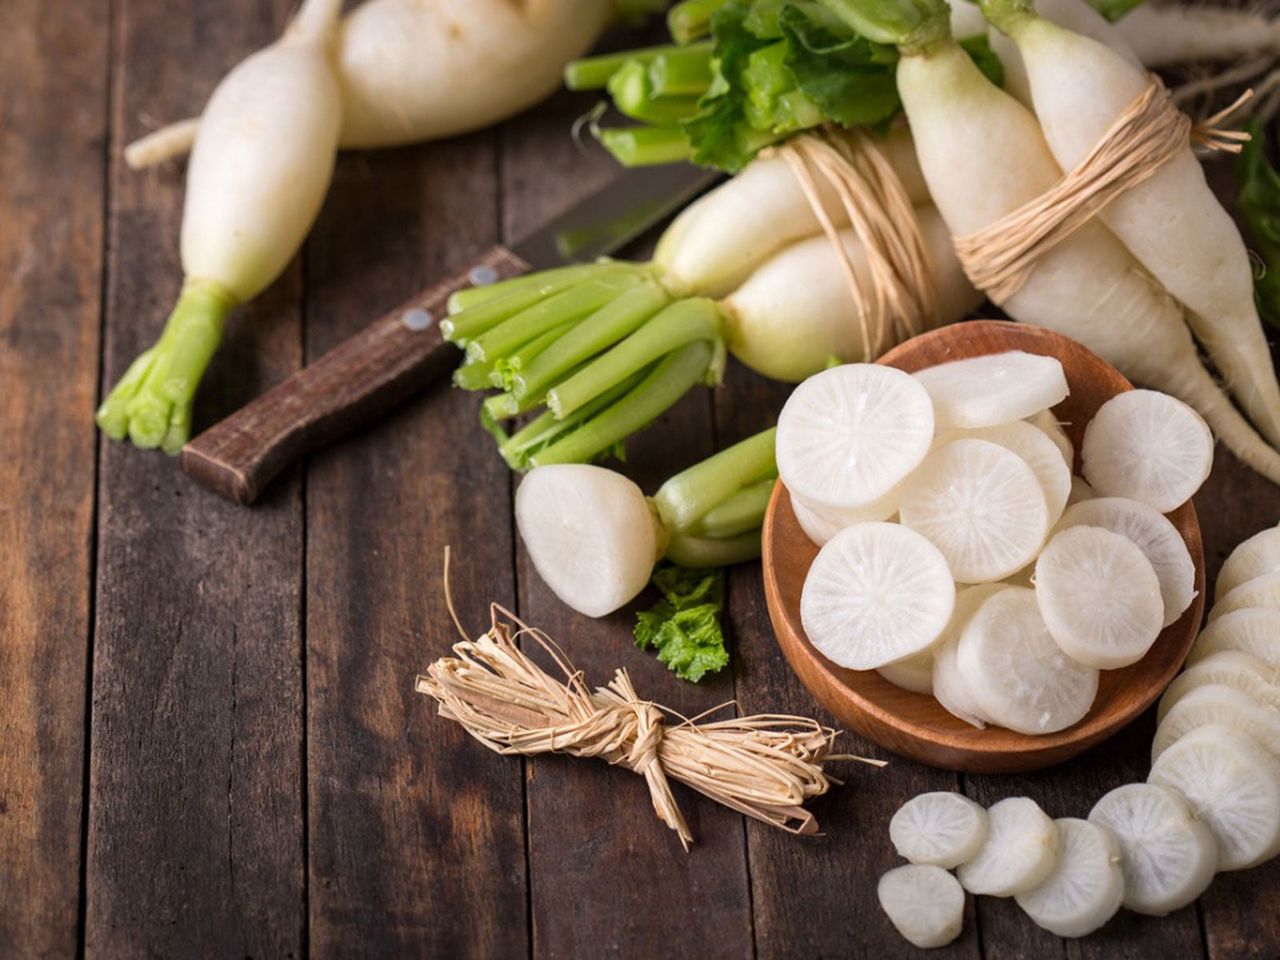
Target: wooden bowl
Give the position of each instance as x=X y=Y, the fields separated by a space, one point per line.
x=917 y=726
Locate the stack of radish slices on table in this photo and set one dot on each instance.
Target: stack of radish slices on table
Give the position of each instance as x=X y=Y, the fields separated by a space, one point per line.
x=959 y=555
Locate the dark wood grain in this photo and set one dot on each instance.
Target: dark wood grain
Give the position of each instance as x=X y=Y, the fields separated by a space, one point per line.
x=416 y=832
x=195 y=827
x=52 y=131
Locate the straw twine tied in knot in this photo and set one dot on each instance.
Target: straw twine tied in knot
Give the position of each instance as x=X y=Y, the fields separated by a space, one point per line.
x=999 y=258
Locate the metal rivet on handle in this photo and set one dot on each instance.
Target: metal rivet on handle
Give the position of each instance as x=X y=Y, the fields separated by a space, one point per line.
x=417 y=318
x=482 y=275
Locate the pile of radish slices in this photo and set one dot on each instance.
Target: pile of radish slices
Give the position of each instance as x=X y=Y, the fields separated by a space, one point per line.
x=959 y=555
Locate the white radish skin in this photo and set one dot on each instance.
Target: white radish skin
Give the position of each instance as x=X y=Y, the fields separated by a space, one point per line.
x=1038 y=451
x=1216 y=704
x=1262 y=592
x=913 y=674
x=1228 y=668
x=1233 y=785
x=1258 y=555
x=993 y=389
x=1168 y=857
x=1171 y=222
x=1020 y=851
x=1086 y=886
x=1163 y=34
x=984 y=156
x=924 y=903
x=950 y=686
x=795 y=312
x=1046 y=421
x=1251 y=630
x=943 y=828
x=591 y=534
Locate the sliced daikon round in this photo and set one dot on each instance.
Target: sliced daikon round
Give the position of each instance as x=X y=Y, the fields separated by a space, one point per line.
x=998 y=388
x=1215 y=704
x=950 y=687
x=1233 y=785
x=914 y=673
x=1228 y=668
x=849 y=435
x=942 y=828
x=1046 y=421
x=1254 y=557
x=1252 y=630
x=1260 y=592
x=1168 y=856
x=981 y=505
x=1086 y=885
x=1020 y=850
x=1018 y=675
x=590 y=533
x=1147 y=446
x=1037 y=451
x=821 y=523
x=1080 y=491
x=1154 y=535
x=876 y=593
x=924 y=903
x=1099 y=597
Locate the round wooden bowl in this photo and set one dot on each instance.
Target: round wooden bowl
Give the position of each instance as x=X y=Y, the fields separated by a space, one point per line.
x=917 y=726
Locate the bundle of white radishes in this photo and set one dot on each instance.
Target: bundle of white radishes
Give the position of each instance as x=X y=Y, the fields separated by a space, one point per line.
x=1210 y=804
x=961 y=558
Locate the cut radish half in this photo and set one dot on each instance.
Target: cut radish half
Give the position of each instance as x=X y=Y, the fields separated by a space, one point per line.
x=915 y=673
x=1217 y=705
x=1258 y=555
x=1228 y=668
x=1260 y=592
x=998 y=388
x=1253 y=630
x=1019 y=676
x=1233 y=785
x=876 y=593
x=924 y=903
x=1019 y=853
x=1037 y=451
x=821 y=523
x=1080 y=491
x=1169 y=856
x=1086 y=886
x=1052 y=427
x=1147 y=446
x=849 y=435
x=1154 y=535
x=942 y=828
x=1099 y=597
x=981 y=505
x=950 y=688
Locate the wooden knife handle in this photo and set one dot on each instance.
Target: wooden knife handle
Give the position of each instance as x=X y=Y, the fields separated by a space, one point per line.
x=351 y=385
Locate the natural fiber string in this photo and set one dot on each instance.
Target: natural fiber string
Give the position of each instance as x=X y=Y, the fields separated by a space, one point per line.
x=764 y=766
x=1147 y=134
x=903 y=298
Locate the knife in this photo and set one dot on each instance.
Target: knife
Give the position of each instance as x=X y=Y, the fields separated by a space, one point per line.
x=403 y=352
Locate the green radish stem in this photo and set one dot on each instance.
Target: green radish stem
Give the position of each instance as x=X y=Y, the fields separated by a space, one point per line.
x=672 y=69
x=634 y=96
x=692 y=494
x=699 y=552
x=545 y=280
x=738 y=514
x=691 y=19
x=645 y=146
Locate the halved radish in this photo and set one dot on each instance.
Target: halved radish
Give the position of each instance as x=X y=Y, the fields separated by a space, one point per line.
x=1099 y=597
x=998 y=388
x=877 y=592
x=915 y=673
x=1018 y=675
x=1263 y=592
x=942 y=828
x=1147 y=446
x=1154 y=535
x=1038 y=451
x=1217 y=705
x=849 y=435
x=950 y=688
x=1020 y=850
x=1254 y=557
x=981 y=505
x=1169 y=856
x=821 y=523
x=1228 y=668
x=1052 y=427
x=924 y=903
x=1085 y=888
x=1252 y=630
x=1233 y=785
x=1080 y=491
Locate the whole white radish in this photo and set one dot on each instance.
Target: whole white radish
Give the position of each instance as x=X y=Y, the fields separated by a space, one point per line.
x=1163 y=34
x=1228 y=668
x=1021 y=849
x=942 y=828
x=1263 y=592
x=1218 y=705
x=1251 y=630
x=1171 y=222
x=924 y=903
x=1086 y=886
x=993 y=389
x=1258 y=555
x=260 y=167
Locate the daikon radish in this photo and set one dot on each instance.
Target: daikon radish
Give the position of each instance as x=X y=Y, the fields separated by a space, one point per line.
x=1046 y=421
x=1258 y=555
x=993 y=389
x=1020 y=851
x=1229 y=668
x=1147 y=446
x=914 y=673
x=950 y=687
x=1154 y=535
x=1168 y=855
x=981 y=505
x=1233 y=785
x=1214 y=704
x=943 y=828
x=1017 y=673
x=1263 y=592
x=1086 y=886
x=1251 y=630
x=1163 y=34
x=876 y=593
x=924 y=903
x=1038 y=451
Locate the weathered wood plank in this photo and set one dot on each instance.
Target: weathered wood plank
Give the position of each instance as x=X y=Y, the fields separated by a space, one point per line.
x=416 y=831
x=53 y=122
x=195 y=810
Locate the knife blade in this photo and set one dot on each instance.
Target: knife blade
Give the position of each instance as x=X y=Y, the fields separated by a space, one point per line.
x=403 y=352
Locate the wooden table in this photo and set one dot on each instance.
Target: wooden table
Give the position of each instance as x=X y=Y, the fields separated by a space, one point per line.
x=209 y=743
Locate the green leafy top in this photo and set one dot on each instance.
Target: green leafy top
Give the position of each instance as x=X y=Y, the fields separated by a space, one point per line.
x=684 y=626
x=1259 y=204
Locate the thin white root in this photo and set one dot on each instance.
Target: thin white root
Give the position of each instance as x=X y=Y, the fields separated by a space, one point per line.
x=1213 y=82
x=167 y=143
